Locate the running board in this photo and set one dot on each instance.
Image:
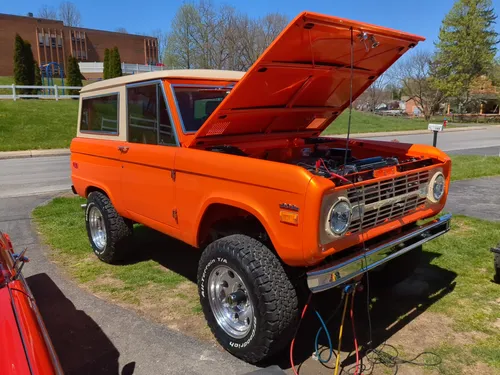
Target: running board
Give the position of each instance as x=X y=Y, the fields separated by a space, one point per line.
x=347 y=268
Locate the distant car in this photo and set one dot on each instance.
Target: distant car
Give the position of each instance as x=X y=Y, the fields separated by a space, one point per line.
x=25 y=346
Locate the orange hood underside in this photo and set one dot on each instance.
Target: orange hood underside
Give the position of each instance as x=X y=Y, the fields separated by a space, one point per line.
x=302 y=81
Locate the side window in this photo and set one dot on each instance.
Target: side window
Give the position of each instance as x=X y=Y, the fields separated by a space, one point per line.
x=148 y=119
x=100 y=114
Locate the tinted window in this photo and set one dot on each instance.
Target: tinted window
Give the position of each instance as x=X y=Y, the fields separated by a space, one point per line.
x=100 y=114
x=197 y=104
x=147 y=109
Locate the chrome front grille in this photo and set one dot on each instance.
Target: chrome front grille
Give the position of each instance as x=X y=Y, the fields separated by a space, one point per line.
x=379 y=202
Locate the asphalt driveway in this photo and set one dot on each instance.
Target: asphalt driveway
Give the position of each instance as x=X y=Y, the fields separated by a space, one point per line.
x=92 y=336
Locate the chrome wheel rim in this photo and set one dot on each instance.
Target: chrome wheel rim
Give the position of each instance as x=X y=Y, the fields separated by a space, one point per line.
x=229 y=301
x=97 y=228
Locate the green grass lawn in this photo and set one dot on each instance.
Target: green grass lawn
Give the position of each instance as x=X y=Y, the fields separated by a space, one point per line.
x=362 y=122
x=471 y=166
x=37 y=124
x=461 y=309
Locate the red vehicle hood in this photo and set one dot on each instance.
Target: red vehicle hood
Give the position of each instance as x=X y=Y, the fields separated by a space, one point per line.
x=301 y=83
x=12 y=354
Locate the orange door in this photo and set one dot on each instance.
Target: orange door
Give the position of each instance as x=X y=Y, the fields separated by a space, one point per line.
x=148 y=183
x=148 y=158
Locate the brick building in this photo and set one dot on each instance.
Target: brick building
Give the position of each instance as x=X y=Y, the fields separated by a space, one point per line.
x=52 y=41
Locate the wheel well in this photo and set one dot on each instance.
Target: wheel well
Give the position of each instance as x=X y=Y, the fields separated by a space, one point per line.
x=91 y=189
x=220 y=220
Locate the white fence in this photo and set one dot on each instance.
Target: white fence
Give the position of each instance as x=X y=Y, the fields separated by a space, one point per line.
x=98 y=67
x=42 y=92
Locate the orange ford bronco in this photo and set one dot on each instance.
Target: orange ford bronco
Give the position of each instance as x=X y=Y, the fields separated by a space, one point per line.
x=234 y=164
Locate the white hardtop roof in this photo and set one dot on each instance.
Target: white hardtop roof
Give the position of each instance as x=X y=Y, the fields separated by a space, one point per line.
x=223 y=75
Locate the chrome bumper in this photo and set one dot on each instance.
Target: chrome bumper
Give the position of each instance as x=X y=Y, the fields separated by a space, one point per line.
x=342 y=270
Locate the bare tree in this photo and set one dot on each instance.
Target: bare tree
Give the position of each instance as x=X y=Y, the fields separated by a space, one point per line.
x=47 y=12
x=69 y=14
x=180 y=45
x=413 y=75
x=375 y=95
x=216 y=37
x=162 y=37
x=121 y=30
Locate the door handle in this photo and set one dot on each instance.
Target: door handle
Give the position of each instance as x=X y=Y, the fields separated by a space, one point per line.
x=123 y=149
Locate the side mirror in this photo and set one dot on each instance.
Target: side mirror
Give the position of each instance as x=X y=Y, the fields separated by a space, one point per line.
x=19 y=260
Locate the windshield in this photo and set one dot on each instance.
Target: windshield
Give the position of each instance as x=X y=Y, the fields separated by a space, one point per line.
x=196 y=104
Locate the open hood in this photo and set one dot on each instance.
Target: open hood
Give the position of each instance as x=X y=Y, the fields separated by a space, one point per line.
x=301 y=83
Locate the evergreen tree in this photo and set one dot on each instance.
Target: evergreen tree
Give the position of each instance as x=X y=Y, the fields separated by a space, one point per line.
x=466 y=47
x=21 y=69
x=74 y=75
x=30 y=65
x=106 y=63
x=115 y=65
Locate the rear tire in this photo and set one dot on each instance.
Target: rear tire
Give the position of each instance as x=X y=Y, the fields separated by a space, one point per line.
x=238 y=265
x=397 y=270
x=110 y=234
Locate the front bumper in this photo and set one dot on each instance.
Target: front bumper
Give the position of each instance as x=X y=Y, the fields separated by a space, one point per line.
x=342 y=270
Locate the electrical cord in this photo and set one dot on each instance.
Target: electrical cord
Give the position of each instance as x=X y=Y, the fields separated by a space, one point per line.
x=341 y=330
x=297 y=331
x=324 y=327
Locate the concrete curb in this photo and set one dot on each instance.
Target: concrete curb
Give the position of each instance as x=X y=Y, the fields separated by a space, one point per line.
x=33 y=153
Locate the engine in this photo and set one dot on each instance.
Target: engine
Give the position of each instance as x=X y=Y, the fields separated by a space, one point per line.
x=334 y=162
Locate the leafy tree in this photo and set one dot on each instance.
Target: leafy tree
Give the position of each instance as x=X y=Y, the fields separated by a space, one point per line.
x=115 y=69
x=466 y=47
x=74 y=75
x=106 y=63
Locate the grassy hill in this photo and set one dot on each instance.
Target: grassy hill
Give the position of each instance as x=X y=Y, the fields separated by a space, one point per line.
x=42 y=124
x=37 y=124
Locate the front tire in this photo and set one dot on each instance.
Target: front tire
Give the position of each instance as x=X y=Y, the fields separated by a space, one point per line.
x=109 y=233
x=247 y=298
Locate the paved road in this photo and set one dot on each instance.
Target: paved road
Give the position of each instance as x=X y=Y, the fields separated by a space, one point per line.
x=22 y=177
x=92 y=336
x=476 y=142
x=478 y=198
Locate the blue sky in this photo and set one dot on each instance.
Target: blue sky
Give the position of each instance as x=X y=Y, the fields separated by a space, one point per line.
x=421 y=17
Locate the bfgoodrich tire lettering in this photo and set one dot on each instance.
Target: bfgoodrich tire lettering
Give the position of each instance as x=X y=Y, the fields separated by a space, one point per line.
x=118 y=230
x=270 y=291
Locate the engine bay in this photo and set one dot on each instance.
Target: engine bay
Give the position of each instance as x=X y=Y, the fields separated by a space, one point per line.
x=324 y=158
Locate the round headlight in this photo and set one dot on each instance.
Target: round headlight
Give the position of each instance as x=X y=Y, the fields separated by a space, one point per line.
x=438 y=187
x=340 y=217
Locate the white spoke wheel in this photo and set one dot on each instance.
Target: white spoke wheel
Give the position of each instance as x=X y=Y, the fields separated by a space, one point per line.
x=97 y=228
x=247 y=298
x=109 y=234
x=229 y=301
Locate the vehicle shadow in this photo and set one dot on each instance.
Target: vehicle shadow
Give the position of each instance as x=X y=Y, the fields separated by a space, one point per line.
x=81 y=345
x=172 y=254
x=391 y=310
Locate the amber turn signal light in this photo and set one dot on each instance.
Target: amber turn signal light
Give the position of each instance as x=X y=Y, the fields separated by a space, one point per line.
x=289 y=217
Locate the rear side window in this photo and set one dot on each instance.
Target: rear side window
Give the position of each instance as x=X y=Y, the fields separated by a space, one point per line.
x=148 y=117
x=100 y=114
